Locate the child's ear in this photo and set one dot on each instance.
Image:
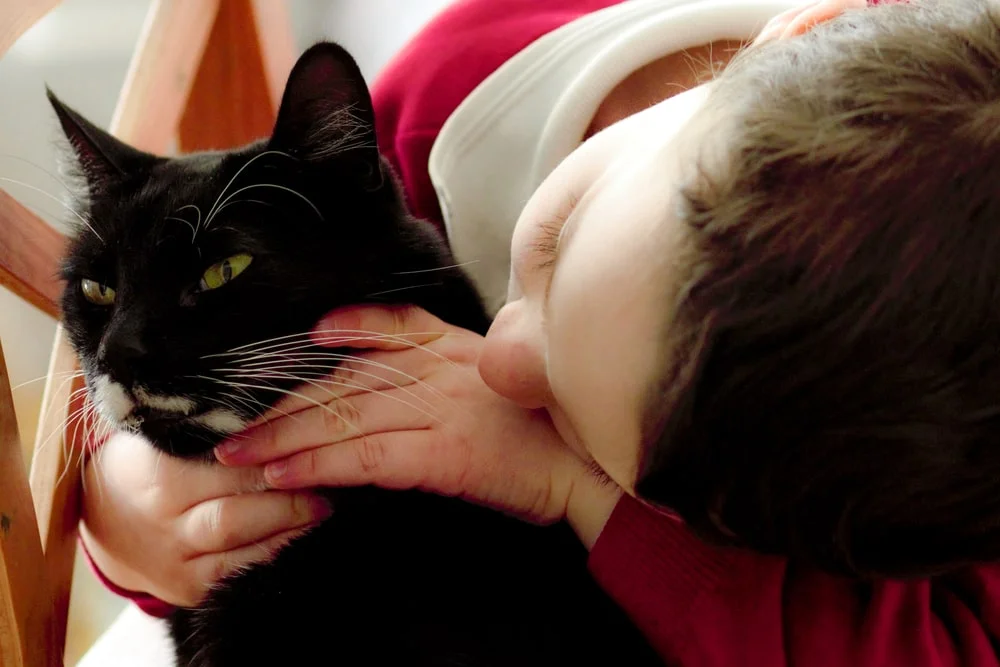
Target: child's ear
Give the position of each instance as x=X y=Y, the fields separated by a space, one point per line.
x=101 y=158
x=326 y=112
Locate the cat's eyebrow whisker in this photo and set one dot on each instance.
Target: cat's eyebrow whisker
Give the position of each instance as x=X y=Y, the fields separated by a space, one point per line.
x=264 y=185
x=440 y=268
x=211 y=211
x=194 y=231
x=404 y=289
x=59 y=201
x=245 y=201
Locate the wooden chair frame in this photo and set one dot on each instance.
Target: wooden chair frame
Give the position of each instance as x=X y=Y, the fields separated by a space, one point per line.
x=238 y=52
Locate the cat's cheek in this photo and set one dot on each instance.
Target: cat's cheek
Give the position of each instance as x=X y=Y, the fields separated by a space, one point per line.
x=111 y=399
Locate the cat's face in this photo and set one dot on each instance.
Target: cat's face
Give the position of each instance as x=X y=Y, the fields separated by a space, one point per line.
x=192 y=289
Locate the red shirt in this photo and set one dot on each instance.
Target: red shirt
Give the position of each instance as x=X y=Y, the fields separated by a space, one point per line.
x=697 y=604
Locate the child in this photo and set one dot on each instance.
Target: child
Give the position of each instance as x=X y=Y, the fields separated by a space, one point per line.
x=790 y=397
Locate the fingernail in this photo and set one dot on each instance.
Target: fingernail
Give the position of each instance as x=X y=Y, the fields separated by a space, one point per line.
x=275 y=470
x=227 y=449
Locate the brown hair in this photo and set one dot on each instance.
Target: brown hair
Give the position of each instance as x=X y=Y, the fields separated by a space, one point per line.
x=834 y=393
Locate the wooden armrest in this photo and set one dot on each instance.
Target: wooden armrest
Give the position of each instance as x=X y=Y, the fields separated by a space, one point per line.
x=28 y=634
x=191 y=54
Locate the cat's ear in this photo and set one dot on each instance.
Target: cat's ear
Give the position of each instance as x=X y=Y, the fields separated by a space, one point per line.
x=326 y=112
x=101 y=158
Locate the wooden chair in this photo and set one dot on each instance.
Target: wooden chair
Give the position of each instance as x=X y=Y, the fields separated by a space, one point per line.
x=208 y=74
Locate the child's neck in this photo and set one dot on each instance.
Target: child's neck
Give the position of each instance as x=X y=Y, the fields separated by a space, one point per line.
x=662 y=79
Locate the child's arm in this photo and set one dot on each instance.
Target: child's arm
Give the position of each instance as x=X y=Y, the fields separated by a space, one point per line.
x=705 y=606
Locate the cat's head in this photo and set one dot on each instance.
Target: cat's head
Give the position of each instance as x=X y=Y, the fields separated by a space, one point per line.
x=191 y=282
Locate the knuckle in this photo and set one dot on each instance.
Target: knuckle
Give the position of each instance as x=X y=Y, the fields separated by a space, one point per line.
x=346 y=373
x=464 y=350
x=341 y=418
x=371 y=454
x=220 y=523
x=400 y=316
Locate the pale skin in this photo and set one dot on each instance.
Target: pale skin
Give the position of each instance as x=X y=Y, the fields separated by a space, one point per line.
x=515 y=420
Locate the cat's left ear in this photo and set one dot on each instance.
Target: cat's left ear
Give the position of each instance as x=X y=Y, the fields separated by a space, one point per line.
x=326 y=113
x=102 y=158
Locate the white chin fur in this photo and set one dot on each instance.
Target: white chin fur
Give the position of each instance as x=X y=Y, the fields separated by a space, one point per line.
x=178 y=404
x=220 y=421
x=111 y=399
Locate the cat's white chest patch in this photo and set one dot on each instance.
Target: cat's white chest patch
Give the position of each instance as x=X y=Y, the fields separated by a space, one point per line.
x=111 y=399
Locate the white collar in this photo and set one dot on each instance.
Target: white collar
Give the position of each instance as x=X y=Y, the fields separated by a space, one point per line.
x=518 y=124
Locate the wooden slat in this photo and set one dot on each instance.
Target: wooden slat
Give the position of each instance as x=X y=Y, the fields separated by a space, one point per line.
x=29 y=256
x=230 y=103
x=277 y=44
x=162 y=72
x=16 y=16
x=55 y=478
x=27 y=630
x=148 y=111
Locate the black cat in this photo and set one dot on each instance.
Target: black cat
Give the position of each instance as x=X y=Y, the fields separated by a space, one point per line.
x=189 y=295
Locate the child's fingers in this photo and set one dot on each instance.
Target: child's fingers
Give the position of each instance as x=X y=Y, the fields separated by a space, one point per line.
x=374 y=371
x=234 y=522
x=211 y=568
x=325 y=424
x=776 y=26
x=819 y=13
x=384 y=327
x=400 y=460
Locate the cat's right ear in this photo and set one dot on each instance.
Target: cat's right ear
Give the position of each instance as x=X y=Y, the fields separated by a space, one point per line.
x=326 y=113
x=101 y=158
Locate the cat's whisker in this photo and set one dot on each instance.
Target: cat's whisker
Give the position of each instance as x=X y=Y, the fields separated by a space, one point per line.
x=348 y=357
x=253 y=405
x=312 y=339
x=59 y=201
x=323 y=371
x=71 y=374
x=244 y=201
x=194 y=231
x=8 y=156
x=60 y=431
x=403 y=289
x=265 y=185
x=72 y=460
x=211 y=211
x=440 y=268
x=287 y=392
x=347 y=385
x=309 y=334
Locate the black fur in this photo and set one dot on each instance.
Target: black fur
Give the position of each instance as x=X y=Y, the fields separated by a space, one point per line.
x=392 y=578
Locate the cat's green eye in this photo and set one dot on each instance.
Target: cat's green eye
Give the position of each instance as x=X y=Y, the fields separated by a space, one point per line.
x=96 y=293
x=219 y=274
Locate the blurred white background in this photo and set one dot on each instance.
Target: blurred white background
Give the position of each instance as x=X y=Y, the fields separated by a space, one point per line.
x=81 y=50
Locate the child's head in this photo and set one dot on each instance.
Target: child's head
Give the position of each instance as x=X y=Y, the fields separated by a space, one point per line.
x=834 y=384
x=775 y=308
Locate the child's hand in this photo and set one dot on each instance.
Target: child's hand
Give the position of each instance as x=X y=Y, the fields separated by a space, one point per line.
x=802 y=19
x=171 y=528
x=432 y=424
